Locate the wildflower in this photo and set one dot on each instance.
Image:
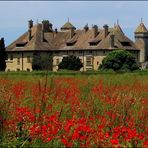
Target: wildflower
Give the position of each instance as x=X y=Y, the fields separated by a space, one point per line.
x=114 y=141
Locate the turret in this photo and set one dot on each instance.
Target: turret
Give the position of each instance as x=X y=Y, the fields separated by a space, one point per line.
x=68 y=26
x=141 y=40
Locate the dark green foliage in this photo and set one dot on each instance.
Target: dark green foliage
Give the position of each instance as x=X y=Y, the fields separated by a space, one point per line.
x=42 y=62
x=119 y=60
x=71 y=63
x=2 y=55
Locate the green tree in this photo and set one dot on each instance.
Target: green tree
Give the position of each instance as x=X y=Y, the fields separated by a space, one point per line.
x=42 y=61
x=70 y=63
x=119 y=60
x=2 y=55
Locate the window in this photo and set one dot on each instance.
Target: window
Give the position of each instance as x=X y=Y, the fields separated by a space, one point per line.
x=88 y=61
x=88 y=68
x=11 y=57
x=125 y=43
x=28 y=69
x=90 y=51
x=97 y=63
x=18 y=61
x=28 y=59
x=80 y=51
x=57 y=61
x=94 y=43
x=21 y=44
x=18 y=69
x=71 y=43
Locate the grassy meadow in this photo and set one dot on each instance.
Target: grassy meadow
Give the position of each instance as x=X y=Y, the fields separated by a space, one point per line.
x=69 y=109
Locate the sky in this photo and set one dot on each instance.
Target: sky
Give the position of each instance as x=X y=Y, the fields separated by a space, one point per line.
x=15 y=15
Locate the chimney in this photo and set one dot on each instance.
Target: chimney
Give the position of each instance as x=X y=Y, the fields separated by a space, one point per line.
x=30 y=25
x=72 y=33
x=95 y=31
x=45 y=25
x=105 y=30
x=29 y=34
x=86 y=27
x=56 y=30
x=112 y=40
x=50 y=26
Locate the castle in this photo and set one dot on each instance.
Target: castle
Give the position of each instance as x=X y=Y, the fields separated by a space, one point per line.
x=91 y=45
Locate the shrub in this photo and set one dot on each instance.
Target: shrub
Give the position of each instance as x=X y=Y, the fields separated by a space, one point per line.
x=119 y=60
x=43 y=62
x=70 y=63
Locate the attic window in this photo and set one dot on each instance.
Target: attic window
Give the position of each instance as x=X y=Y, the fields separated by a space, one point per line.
x=94 y=43
x=125 y=43
x=21 y=44
x=71 y=43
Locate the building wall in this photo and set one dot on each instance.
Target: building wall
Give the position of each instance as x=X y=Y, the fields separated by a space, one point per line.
x=95 y=56
x=141 y=40
x=19 y=61
x=90 y=59
x=22 y=61
x=141 y=45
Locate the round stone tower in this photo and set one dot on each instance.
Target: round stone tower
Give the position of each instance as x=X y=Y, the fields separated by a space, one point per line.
x=141 y=40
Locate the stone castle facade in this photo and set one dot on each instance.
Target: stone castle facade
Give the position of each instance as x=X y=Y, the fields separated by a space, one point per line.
x=91 y=45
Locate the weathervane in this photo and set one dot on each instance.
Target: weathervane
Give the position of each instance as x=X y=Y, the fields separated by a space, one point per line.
x=141 y=20
x=117 y=21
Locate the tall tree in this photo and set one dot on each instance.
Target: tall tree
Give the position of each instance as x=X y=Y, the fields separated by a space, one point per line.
x=43 y=62
x=2 y=55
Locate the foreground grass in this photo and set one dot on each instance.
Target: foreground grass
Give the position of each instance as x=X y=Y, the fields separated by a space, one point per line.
x=69 y=109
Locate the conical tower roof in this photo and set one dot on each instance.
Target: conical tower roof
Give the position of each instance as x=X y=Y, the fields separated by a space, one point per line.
x=67 y=26
x=141 y=28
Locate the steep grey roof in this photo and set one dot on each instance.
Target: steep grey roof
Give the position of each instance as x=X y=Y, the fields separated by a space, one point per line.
x=80 y=41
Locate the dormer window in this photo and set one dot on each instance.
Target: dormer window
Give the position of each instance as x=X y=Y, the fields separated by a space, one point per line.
x=94 y=43
x=125 y=44
x=21 y=44
x=71 y=43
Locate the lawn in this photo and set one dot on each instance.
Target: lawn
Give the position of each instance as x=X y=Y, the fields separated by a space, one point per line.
x=69 y=109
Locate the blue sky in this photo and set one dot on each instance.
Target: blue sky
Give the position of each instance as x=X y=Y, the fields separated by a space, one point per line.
x=15 y=15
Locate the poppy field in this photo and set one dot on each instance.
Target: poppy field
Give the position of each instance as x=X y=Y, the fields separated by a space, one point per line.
x=74 y=111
